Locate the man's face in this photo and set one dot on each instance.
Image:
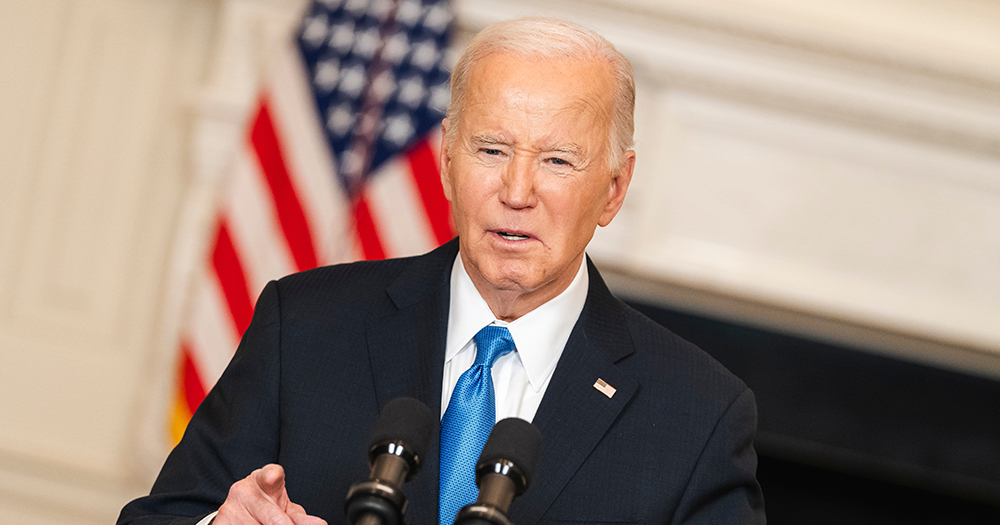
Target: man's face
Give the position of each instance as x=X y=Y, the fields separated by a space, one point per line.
x=528 y=175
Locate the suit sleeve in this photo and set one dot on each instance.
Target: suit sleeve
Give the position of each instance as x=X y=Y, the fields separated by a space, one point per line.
x=723 y=487
x=233 y=432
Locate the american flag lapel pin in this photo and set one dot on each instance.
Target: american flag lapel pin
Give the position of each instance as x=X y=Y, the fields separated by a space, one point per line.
x=603 y=387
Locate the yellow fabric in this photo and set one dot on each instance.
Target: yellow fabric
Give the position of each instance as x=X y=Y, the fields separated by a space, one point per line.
x=180 y=415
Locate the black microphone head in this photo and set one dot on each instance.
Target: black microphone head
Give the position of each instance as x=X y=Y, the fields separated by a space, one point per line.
x=513 y=440
x=403 y=420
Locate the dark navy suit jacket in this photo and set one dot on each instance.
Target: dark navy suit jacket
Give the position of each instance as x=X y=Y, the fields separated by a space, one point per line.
x=327 y=348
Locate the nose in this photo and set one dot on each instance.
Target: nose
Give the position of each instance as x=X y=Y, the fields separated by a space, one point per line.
x=518 y=183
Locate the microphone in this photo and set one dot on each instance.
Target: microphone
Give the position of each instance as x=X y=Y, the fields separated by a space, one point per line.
x=398 y=441
x=503 y=472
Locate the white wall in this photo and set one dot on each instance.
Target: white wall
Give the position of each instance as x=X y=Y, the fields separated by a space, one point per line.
x=833 y=163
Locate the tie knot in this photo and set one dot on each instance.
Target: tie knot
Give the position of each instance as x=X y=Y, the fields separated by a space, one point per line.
x=491 y=343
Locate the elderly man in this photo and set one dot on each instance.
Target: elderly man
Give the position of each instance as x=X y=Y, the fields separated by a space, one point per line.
x=639 y=426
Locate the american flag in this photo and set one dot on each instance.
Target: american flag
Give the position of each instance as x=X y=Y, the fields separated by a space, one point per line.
x=340 y=163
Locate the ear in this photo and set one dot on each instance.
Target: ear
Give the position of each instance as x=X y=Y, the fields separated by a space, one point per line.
x=617 y=189
x=445 y=160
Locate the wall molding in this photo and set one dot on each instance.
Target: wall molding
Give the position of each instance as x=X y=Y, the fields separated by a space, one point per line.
x=772 y=91
x=799 y=75
x=810 y=324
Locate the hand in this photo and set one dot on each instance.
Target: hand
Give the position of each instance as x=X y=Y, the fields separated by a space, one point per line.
x=261 y=498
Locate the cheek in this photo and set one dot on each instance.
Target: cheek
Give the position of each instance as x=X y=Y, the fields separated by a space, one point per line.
x=474 y=184
x=470 y=193
x=576 y=211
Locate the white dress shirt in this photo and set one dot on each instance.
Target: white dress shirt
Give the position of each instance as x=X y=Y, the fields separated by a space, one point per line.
x=520 y=377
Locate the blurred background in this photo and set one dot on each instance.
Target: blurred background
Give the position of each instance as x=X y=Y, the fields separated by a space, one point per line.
x=816 y=203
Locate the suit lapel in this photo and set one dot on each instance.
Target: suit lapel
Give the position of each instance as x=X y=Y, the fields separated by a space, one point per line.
x=574 y=415
x=406 y=350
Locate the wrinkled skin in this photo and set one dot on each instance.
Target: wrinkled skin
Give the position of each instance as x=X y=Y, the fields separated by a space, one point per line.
x=528 y=176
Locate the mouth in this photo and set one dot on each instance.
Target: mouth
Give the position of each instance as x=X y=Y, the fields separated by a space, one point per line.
x=513 y=236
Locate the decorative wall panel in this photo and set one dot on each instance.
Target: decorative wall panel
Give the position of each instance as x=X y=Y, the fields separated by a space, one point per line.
x=93 y=96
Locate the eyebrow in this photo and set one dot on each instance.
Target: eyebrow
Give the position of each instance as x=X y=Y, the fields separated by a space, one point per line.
x=488 y=139
x=571 y=149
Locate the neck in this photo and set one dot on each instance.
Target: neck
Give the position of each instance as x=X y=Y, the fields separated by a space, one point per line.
x=509 y=304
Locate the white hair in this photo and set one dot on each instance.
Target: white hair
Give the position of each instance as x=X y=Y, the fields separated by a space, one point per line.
x=535 y=38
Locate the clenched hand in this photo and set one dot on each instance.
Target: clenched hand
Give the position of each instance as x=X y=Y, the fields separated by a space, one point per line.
x=261 y=499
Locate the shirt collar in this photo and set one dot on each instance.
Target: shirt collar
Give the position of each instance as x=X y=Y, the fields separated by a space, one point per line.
x=539 y=335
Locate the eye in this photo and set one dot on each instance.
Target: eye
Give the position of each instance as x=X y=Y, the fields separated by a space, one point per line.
x=558 y=162
x=491 y=151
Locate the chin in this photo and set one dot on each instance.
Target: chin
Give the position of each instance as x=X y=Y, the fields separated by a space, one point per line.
x=512 y=279
x=511 y=283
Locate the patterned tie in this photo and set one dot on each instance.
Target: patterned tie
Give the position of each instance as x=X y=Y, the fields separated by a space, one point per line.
x=467 y=423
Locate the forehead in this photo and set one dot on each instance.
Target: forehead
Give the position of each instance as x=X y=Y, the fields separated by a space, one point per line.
x=500 y=83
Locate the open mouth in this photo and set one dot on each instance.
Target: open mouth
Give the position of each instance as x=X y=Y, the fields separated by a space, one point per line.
x=512 y=236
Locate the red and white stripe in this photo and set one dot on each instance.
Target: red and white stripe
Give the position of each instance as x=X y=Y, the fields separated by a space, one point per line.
x=283 y=211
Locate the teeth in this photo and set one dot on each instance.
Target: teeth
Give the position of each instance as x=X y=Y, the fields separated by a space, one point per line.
x=512 y=236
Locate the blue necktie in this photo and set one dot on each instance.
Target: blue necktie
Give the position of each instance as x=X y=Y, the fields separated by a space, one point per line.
x=467 y=423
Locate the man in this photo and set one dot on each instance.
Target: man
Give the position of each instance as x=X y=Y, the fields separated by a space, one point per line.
x=639 y=426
